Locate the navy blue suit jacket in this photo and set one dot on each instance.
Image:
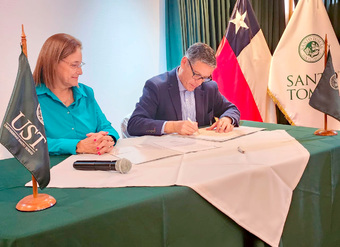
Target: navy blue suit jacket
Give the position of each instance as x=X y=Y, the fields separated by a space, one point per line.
x=161 y=102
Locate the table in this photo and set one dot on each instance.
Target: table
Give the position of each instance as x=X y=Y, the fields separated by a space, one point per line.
x=170 y=216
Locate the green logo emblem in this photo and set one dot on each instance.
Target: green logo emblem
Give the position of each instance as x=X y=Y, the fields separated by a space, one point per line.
x=39 y=115
x=333 y=81
x=312 y=48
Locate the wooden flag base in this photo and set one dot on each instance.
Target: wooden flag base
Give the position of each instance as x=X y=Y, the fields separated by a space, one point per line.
x=35 y=202
x=32 y=204
x=325 y=131
x=322 y=132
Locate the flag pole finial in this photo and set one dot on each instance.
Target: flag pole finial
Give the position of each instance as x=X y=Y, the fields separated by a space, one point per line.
x=23 y=40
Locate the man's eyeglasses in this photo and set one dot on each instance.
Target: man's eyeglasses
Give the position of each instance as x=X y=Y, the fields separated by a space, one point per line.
x=74 y=65
x=198 y=76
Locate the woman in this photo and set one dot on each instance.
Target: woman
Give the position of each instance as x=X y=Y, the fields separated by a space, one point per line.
x=74 y=122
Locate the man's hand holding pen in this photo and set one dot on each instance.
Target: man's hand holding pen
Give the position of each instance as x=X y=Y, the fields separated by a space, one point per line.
x=185 y=127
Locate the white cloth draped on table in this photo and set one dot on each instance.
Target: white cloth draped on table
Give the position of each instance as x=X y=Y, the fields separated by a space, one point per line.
x=253 y=187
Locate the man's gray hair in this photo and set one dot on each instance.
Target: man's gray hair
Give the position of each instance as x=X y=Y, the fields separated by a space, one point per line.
x=201 y=52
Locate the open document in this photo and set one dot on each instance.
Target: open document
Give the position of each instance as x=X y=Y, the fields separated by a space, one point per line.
x=149 y=148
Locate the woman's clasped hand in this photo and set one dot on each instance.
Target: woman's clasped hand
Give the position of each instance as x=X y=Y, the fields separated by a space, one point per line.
x=96 y=143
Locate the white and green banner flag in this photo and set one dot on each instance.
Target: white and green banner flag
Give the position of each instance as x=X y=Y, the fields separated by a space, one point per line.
x=298 y=63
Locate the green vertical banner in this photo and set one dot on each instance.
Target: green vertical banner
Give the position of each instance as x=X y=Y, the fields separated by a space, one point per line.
x=22 y=130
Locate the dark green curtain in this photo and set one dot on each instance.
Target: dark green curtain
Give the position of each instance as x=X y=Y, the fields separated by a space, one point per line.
x=174 y=48
x=333 y=9
x=196 y=21
x=271 y=17
x=203 y=21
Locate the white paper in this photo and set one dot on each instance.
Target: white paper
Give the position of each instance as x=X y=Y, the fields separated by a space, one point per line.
x=142 y=149
x=184 y=145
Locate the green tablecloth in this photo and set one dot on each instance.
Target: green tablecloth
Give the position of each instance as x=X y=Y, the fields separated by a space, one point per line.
x=170 y=216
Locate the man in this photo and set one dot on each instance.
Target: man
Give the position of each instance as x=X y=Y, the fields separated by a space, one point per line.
x=184 y=98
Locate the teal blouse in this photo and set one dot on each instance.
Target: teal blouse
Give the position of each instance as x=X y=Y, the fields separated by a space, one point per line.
x=66 y=126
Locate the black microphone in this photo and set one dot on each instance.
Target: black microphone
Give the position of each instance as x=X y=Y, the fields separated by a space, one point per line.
x=122 y=165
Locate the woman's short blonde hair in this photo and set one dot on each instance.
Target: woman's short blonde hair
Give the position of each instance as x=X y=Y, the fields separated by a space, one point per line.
x=56 y=48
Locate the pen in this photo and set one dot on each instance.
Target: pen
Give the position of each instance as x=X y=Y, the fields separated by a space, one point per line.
x=241 y=150
x=192 y=123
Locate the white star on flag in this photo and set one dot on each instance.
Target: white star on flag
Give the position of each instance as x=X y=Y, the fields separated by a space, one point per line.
x=239 y=21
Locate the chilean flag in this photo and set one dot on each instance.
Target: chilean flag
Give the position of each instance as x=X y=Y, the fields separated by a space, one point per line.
x=243 y=63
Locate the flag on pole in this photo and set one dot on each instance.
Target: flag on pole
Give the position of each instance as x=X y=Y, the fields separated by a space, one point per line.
x=298 y=63
x=22 y=130
x=243 y=63
x=326 y=96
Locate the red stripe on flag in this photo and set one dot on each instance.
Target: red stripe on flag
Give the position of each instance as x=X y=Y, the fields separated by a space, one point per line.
x=232 y=84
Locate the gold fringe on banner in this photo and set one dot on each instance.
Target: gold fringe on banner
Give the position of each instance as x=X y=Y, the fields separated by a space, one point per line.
x=271 y=95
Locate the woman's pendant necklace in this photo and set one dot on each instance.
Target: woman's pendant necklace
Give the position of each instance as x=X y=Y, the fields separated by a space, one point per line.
x=68 y=101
